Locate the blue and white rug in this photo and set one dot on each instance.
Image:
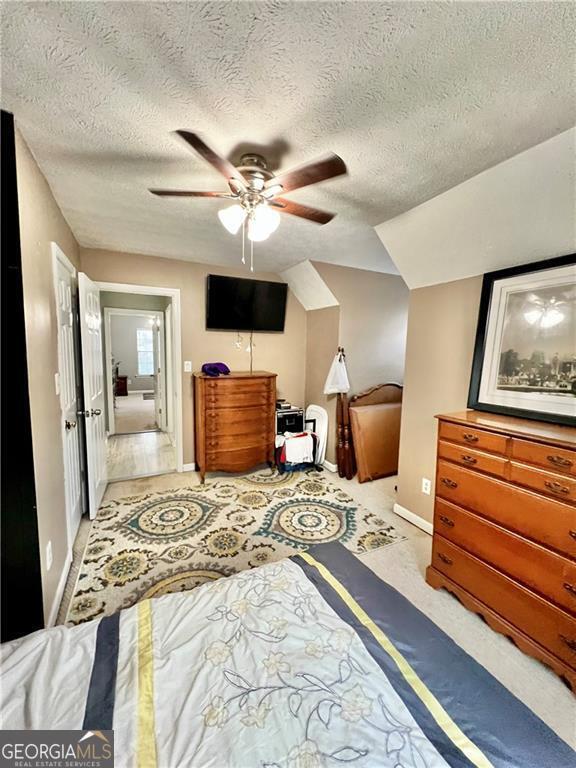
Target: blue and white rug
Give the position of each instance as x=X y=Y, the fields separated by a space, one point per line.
x=171 y=541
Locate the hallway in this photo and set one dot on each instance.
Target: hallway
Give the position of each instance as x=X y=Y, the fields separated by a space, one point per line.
x=139 y=455
x=134 y=413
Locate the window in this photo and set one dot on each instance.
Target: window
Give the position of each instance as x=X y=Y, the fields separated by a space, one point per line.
x=145 y=347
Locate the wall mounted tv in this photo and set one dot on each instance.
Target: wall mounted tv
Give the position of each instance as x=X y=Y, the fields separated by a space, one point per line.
x=236 y=304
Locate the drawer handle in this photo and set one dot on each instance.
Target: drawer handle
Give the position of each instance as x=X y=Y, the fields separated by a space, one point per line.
x=470 y=438
x=212 y=414
x=556 y=487
x=444 y=558
x=570 y=642
x=573 y=534
x=448 y=483
x=446 y=521
x=570 y=588
x=469 y=459
x=559 y=461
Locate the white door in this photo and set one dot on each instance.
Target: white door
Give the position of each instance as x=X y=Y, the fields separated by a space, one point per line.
x=159 y=383
x=169 y=363
x=93 y=374
x=65 y=288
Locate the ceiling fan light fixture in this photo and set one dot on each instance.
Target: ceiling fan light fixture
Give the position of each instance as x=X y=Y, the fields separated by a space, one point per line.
x=262 y=222
x=232 y=217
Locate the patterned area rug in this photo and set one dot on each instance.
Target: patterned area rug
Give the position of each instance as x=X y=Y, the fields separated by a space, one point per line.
x=171 y=541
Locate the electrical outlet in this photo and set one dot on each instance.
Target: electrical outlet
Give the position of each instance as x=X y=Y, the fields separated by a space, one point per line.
x=129 y=381
x=187 y=366
x=48 y=555
x=426 y=486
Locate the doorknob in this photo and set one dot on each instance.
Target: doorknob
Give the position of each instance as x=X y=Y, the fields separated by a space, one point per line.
x=96 y=412
x=69 y=424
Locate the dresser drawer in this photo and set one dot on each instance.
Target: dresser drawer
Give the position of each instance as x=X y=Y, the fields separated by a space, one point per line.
x=553 y=628
x=224 y=421
x=554 y=459
x=545 y=572
x=536 y=517
x=225 y=386
x=558 y=486
x=236 y=460
x=221 y=442
x=474 y=438
x=239 y=399
x=468 y=457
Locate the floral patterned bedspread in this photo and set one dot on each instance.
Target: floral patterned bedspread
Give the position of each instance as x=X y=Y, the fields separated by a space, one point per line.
x=304 y=663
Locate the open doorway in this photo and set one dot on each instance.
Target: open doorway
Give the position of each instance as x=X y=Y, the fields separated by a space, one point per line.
x=141 y=385
x=135 y=370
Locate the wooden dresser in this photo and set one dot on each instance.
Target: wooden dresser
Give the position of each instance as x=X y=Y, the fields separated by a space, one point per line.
x=234 y=421
x=505 y=529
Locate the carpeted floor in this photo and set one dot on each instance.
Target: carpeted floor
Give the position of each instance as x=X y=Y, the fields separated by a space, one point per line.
x=173 y=540
x=134 y=413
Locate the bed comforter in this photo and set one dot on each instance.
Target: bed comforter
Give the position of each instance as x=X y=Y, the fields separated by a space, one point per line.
x=309 y=662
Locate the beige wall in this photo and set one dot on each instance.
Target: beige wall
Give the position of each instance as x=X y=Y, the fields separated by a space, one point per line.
x=41 y=222
x=441 y=333
x=284 y=353
x=321 y=344
x=373 y=321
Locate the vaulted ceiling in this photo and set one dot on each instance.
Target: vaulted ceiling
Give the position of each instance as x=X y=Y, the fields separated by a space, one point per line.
x=416 y=97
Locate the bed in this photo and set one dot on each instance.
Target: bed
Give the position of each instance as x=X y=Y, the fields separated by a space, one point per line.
x=309 y=662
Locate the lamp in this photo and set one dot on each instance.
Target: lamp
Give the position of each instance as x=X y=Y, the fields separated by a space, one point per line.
x=262 y=222
x=232 y=218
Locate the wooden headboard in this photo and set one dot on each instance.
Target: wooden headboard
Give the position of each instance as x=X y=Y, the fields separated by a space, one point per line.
x=381 y=393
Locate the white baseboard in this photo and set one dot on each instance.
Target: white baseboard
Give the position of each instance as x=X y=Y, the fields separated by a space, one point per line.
x=416 y=520
x=330 y=466
x=188 y=467
x=59 y=591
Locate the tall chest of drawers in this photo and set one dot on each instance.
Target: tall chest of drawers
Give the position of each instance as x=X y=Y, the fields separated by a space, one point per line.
x=234 y=421
x=505 y=529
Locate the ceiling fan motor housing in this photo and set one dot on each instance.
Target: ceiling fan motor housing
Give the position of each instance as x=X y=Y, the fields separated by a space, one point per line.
x=254 y=169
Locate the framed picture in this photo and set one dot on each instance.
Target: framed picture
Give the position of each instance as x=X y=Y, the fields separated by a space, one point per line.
x=525 y=353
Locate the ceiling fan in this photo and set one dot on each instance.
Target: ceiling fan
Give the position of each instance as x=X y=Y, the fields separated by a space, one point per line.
x=255 y=190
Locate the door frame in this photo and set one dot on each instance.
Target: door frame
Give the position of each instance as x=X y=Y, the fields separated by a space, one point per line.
x=174 y=295
x=58 y=255
x=108 y=313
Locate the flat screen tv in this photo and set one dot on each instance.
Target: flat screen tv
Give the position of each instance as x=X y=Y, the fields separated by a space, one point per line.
x=236 y=304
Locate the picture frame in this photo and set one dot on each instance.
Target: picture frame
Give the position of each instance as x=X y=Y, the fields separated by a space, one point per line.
x=524 y=361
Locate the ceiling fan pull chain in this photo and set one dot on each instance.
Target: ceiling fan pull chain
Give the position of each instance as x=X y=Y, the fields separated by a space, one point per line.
x=243 y=241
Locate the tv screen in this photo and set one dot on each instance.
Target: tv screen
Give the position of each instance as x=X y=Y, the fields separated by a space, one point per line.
x=235 y=304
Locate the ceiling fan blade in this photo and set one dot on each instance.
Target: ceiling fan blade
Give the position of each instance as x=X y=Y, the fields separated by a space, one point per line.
x=186 y=193
x=311 y=173
x=222 y=165
x=303 y=211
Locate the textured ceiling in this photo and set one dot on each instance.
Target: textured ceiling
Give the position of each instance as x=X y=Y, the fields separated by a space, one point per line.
x=416 y=97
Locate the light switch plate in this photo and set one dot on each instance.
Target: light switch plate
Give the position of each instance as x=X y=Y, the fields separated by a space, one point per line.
x=48 y=555
x=187 y=366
